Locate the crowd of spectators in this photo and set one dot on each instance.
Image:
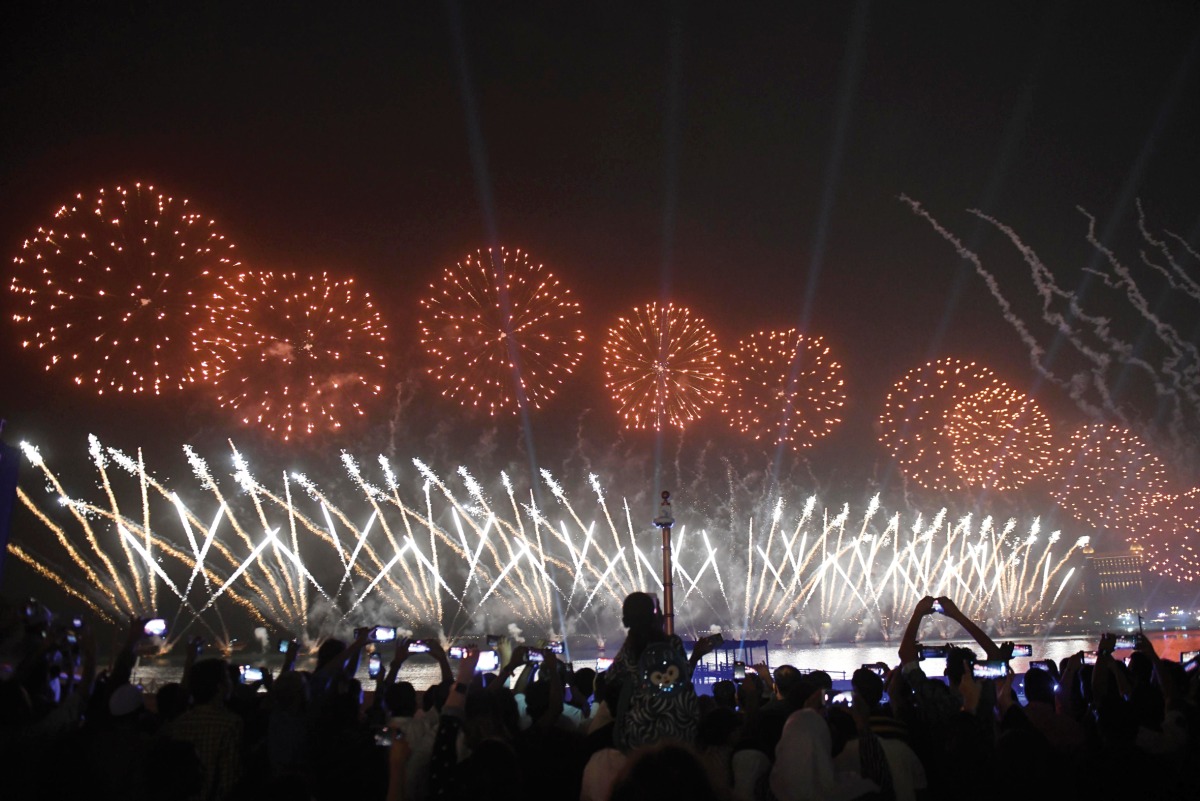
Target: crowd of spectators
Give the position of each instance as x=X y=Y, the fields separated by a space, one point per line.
x=536 y=729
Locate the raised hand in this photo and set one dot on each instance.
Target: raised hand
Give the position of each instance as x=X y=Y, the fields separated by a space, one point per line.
x=466 y=665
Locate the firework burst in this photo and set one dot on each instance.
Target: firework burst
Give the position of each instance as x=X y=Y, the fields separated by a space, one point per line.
x=1108 y=475
x=662 y=366
x=785 y=387
x=295 y=354
x=915 y=414
x=1001 y=438
x=1169 y=541
x=112 y=287
x=501 y=331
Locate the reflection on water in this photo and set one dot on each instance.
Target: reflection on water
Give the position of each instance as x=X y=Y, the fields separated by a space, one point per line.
x=836 y=659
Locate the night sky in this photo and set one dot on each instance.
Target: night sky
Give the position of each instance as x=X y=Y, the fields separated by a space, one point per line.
x=744 y=162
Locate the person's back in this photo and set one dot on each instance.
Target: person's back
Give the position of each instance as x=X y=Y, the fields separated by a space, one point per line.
x=215 y=732
x=657 y=699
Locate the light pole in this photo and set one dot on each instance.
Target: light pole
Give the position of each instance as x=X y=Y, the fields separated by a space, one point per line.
x=664 y=521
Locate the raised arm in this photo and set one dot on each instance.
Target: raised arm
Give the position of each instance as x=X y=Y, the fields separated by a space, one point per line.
x=439 y=653
x=125 y=658
x=338 y=664
x=194 y=646
x=951 y=610
x=704 y=646
x=399 y=656
x=515 y=661
x=289 y=659
x=554 y=682
x=908 y=643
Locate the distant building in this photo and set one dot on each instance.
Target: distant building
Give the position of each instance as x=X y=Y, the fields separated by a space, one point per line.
x=1115 y=581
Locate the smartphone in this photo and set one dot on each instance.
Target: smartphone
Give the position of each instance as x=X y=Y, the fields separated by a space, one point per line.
x=1126 y=641
x=739 y=671
x=878 y=670
x=1044 y=664
x=418 y=647
x=1189 y=659
x=1023 y=649
x=554 y=646
x=282 y=645
x=249 y=674
x=1089 y=657
x=937 y=607
x=488 y=661
x=842 y=698
x=990 y=669
x=374 y=666
x=155 y=628
x=603 y=663
x=932 y=651
x=72 y=638
x=533 y=656
x=77 y=623
x=382 y=634
x=1188 y=656
x=458 y=651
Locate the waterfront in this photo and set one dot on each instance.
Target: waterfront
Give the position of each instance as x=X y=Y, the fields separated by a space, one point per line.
x=838 y=659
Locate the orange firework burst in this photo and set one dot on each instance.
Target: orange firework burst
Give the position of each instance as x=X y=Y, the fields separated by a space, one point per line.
x=1001 y=438
x=1170 y=537
x=784 y=387
x=915 y=415
x=113 y=286
x=501 y=330
x=662 y=366
x=293 y=353
x=1108 y=476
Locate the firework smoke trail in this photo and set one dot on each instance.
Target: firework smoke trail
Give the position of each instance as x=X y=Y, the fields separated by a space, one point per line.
x=1036 y=351
x=1181 y=385
x=1175 y=377
x=1048 y=289
x=1176 y=276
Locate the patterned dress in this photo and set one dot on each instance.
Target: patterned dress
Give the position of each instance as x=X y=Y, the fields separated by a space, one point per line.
x=658 y=701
